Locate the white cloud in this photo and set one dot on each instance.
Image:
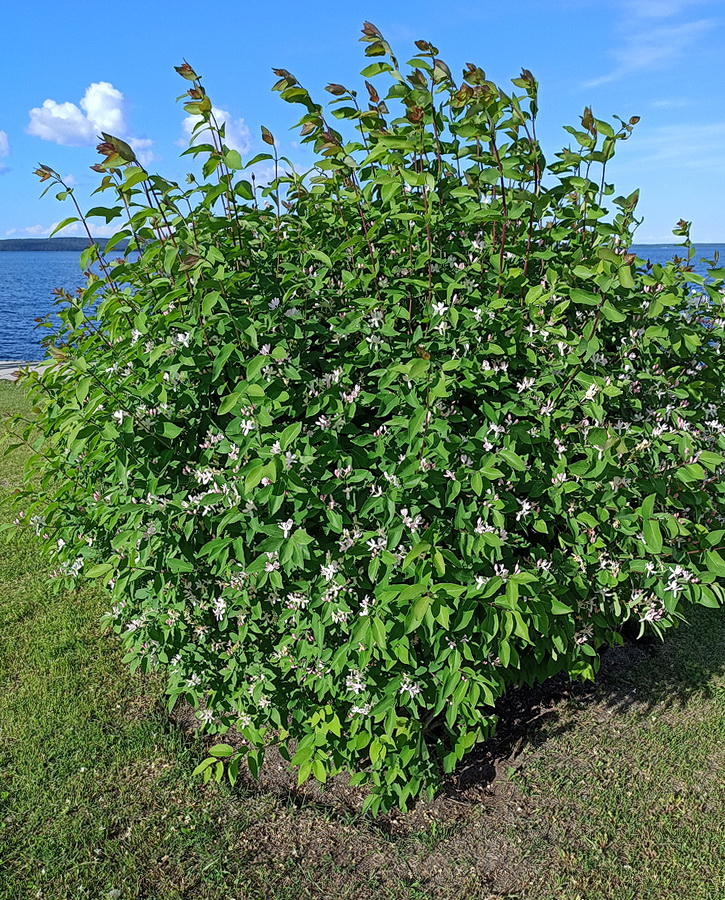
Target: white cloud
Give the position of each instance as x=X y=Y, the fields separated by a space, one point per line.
x=645 y=47
x=142 y=148
x=264 y=173
x=680 y=146
x=237 y=135
x=659 y=9
x=647 y=41
x=105 y=230
x=62 y=123
x=102 y=108
x=103 y=105
x=44 y=230
x=669 y=103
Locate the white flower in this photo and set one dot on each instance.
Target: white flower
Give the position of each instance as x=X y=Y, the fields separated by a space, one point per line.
x=525 y=385
x=411 y=522
x=286 y=527
x=328 y=572
x=246 y=426
x=348 y=539
x=410 y=687
x=182 y=337
x=275 y=448
x=355 y=682
x=439 y=309
x=265 y=349
x=219 y=608
x=273 y=303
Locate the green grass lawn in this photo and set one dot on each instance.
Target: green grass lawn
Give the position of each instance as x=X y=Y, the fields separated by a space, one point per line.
x=613 y=792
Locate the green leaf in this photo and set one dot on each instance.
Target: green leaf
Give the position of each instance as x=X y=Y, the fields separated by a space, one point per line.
x=626 y=278
x=61 y=225
x=229 y=403
x=209 y=761
x=417 y=550
x=318 y=770
x=558 y=608
x=379 y=635
x=99 y=570
x=233 y=160
x=611 y=313
x=416 y=423
x=289 y=434
x=439 y=562
x=104 y=212
x=221 y=750
x=652 y=535
x=254 y=476
x=179 y=565
x=169 y=430
x=715 y=563
x=513 y=459
x=648 y=506
x=587 y=298
x=322 y=257
x=417 y=614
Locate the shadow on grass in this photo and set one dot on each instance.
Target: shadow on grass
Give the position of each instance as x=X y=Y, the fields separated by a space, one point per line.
x=634 y=677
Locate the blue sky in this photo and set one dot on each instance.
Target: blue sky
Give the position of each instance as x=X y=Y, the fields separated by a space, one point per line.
x=72 y=69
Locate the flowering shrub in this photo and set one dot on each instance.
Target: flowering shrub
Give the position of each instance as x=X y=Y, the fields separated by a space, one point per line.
x=358 y=450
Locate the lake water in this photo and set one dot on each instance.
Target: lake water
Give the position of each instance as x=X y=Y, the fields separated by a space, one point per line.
x=27 y=280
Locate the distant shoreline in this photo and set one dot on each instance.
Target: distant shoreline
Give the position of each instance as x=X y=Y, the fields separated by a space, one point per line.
x=79 y=244
x=44 y=244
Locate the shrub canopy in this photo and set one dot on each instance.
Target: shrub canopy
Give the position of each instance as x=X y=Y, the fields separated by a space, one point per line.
x=359 y=449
